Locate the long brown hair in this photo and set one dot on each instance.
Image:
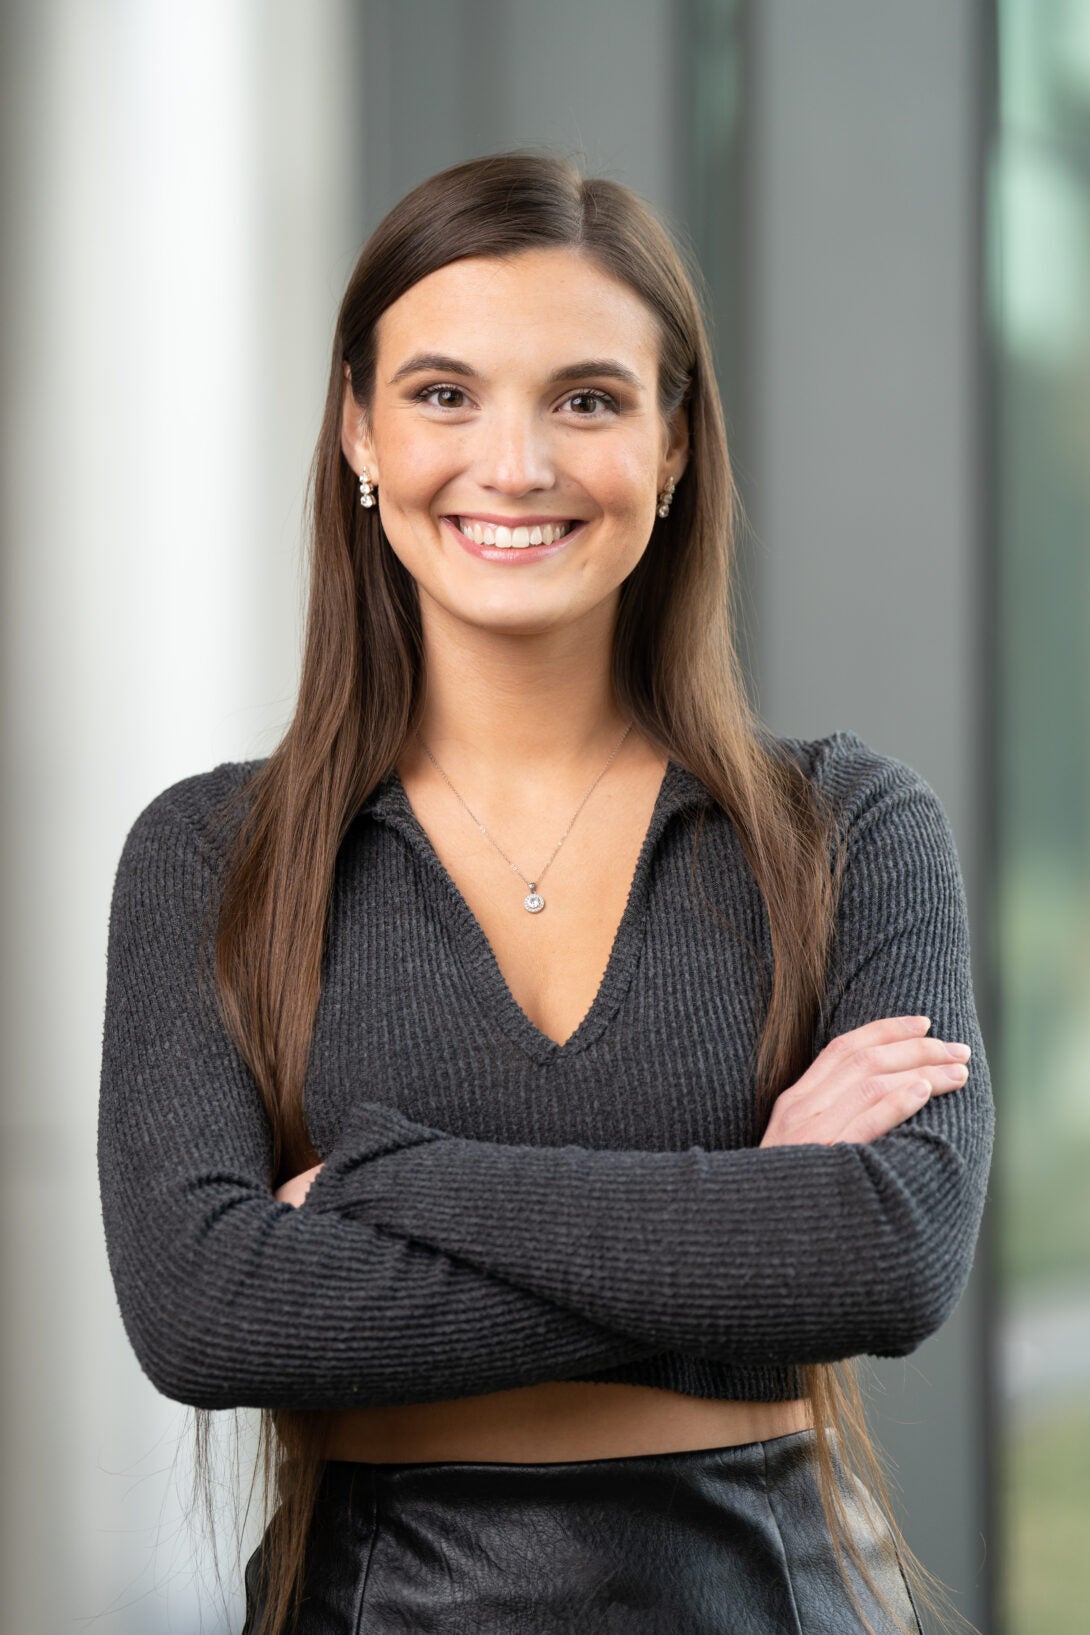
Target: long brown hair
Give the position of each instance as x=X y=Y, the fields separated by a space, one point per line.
x=675 y=672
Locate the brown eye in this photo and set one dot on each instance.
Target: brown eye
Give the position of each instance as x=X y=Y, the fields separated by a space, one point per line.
x=592 y=395
x=427 y=392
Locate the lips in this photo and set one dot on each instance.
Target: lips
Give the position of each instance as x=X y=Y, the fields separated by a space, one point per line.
x=513 y=536
x=513 y=554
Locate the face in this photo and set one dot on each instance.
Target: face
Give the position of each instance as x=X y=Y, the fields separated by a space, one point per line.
x=517 y=394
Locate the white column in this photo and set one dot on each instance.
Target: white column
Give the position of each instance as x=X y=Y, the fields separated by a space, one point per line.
x=183 y=205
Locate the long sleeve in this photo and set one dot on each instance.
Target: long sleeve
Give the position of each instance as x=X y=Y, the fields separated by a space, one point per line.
x=793 y=1254
x=230 y=1297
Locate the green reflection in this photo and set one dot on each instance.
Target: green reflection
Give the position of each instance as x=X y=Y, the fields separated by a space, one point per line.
x=1047 y=1487
x=1040 y=300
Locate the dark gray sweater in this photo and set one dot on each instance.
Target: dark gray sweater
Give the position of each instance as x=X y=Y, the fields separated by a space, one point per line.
x=496 y=1209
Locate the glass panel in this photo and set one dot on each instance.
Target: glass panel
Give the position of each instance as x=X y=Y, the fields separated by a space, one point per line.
x=1040 y=312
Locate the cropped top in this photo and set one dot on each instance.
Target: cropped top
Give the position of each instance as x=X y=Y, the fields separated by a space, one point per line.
x=495 y=1209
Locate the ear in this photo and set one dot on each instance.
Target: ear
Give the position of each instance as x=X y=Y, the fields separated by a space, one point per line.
x=355 y=437
x=676 y=456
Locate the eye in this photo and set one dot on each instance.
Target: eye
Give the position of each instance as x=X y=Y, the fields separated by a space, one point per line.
x=426 y=392
x=589 y=394
x=595 y=394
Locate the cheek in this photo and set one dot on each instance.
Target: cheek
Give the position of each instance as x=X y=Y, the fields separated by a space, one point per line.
x=624 y=485
x=413 y=456
x=414 y=471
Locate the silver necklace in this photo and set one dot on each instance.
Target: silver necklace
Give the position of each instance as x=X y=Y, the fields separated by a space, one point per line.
x=533 y=902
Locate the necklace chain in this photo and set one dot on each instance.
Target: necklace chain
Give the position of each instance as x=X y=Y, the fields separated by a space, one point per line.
x=534 y=902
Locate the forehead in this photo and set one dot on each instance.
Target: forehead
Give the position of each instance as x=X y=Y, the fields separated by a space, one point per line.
x=537 y=304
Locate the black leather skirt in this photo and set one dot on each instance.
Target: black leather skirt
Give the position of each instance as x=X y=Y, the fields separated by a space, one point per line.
x=716 y=1541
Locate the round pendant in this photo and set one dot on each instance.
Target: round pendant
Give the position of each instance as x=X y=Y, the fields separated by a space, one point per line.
x=534 y=903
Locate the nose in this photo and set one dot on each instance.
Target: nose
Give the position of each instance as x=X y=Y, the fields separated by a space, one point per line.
x=514 y=454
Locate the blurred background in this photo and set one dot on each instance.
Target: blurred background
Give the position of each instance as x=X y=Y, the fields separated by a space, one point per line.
x=891 y=206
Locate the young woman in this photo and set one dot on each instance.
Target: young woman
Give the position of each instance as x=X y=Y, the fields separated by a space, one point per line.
x=587 y=1077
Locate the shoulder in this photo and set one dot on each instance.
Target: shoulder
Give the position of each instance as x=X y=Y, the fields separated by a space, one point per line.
x=195 y=811
x=871 y=792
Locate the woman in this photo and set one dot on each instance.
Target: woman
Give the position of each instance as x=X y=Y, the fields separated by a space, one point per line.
x=589 y=1075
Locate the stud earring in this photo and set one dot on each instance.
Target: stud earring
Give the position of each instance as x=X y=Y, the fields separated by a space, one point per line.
x=666 y=497
x=367 y=489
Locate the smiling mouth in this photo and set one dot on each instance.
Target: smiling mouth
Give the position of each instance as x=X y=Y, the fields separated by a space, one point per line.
x=517 y=538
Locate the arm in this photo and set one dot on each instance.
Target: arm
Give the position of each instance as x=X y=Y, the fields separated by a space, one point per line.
x=804 y=1253
x=229 y=1297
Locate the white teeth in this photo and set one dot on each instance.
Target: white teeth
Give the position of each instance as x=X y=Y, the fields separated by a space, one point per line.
x=517 y=538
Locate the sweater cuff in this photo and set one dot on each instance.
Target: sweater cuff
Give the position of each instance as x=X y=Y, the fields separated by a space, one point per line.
x=370 y=1131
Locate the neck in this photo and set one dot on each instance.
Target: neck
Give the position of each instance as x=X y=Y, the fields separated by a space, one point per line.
x=534 y=712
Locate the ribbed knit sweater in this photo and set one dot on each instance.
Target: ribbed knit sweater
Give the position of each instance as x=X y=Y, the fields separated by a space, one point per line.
x=496 y=1209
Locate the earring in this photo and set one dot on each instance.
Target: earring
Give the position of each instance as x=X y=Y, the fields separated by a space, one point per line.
x=367 y=489
x=666 y=497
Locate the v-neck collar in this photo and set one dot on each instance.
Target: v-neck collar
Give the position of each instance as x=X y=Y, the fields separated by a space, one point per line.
x=680 y=789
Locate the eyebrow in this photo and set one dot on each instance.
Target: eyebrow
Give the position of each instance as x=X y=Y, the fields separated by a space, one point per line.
x=436 y=362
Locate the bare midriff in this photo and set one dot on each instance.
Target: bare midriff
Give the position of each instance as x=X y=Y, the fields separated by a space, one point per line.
x=556 y=1421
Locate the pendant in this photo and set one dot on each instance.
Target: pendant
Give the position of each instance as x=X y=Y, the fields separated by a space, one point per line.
x=534 y=903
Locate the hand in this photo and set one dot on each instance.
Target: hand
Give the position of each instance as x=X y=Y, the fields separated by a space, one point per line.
x=864 y=1082
x=295 y=1189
